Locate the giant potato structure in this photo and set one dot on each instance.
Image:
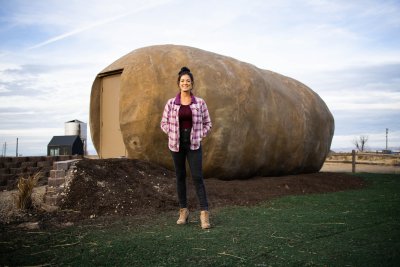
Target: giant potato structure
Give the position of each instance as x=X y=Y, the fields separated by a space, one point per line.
x=263 y=123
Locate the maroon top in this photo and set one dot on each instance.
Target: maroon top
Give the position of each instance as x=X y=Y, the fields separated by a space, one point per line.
x=185 y=117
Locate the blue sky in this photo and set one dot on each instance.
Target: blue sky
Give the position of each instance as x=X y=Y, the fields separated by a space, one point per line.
x=346 y=51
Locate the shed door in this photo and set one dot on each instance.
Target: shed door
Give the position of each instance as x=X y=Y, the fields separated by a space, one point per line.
x=111 y=143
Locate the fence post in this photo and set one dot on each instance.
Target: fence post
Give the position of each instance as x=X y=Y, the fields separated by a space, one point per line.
x=353 y=161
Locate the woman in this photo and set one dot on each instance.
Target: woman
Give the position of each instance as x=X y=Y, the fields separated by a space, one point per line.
x=186 y=121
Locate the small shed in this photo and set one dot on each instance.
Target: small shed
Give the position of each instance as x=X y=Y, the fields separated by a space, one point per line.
x=65 y=145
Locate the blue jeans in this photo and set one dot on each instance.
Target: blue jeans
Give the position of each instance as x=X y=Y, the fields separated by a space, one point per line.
x=194 y=157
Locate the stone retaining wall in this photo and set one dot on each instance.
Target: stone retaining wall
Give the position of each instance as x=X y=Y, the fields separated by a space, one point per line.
x=11 y=168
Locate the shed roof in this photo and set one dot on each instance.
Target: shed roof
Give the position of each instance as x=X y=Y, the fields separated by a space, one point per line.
x=63 y=140
x=74 y=121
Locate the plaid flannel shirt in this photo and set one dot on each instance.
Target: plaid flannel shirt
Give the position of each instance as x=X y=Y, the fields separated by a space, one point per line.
x=201 y=122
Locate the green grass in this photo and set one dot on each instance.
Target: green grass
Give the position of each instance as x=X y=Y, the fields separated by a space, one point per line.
x=351 y=228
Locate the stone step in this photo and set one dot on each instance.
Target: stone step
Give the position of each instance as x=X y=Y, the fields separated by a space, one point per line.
x=63 y=165
x=55 y=181
x=52 y=199
x=50 y=190
x=57 y=173
x=53 y=195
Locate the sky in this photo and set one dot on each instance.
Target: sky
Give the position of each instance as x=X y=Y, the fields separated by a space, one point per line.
x=348 y=52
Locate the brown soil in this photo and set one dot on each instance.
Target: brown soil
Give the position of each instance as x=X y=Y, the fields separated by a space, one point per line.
x=122 y=187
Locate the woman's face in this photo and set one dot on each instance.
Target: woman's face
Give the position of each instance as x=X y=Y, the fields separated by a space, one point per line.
x=185 y=83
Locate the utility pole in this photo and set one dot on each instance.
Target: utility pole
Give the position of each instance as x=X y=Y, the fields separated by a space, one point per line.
x=387 y=131
x=16 y=149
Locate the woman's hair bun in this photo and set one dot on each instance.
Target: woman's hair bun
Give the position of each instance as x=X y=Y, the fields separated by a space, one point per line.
x=184 y=70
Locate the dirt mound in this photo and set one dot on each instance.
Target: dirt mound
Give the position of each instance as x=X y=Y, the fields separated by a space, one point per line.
x=119 y=187
x=131 y=187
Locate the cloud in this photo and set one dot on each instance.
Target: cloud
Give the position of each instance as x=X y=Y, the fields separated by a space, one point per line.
x=99 y=23
x=368 y=75
x=372 y=90
x=345 y=51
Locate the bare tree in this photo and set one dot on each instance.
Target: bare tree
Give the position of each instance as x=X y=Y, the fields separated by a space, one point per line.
x=360 y=142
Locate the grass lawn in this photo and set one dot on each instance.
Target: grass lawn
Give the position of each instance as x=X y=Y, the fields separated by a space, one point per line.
x=351 y=228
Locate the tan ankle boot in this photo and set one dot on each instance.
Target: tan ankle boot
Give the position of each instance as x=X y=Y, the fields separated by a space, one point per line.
x=183 y=216
x=205 y=220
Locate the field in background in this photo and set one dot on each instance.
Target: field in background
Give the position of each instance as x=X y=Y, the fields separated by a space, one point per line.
x=365 y=158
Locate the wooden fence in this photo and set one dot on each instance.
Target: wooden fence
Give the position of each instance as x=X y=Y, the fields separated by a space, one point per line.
x=364 y=158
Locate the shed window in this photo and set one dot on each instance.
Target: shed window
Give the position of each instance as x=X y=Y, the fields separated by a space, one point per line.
x=55 y=151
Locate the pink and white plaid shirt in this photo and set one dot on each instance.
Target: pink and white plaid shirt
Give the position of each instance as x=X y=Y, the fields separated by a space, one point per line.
x=201 y=122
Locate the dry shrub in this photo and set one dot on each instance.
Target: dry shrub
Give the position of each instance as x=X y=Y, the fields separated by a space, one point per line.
x=25 y=189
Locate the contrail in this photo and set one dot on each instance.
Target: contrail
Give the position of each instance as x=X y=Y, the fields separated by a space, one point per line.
x=96 y=24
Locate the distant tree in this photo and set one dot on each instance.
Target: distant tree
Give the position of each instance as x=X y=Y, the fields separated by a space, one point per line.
x=360 y=143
